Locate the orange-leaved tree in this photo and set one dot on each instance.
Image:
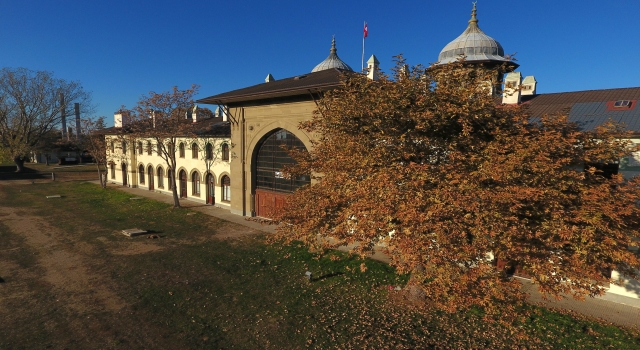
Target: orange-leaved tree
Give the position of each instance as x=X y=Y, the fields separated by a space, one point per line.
x=426 y=164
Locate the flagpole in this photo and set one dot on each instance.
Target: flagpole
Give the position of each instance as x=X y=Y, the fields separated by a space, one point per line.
x=363 y=37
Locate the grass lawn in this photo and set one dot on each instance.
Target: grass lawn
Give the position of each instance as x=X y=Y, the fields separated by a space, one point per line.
x=69 y=279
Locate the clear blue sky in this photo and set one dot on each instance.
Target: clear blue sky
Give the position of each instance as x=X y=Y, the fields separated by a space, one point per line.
x=121 y=49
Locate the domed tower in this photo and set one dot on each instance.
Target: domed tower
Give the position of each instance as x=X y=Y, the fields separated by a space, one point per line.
x=333 y=61
x=475 y=46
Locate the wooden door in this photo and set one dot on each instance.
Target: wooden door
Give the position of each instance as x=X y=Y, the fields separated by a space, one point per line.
x=124 y=175
x=211 y=190
x=183 y=184
x=150 y=176
x=267 y=202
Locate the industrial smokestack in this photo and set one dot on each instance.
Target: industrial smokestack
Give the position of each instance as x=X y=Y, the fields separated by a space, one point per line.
x=76 y=106
x=63 y=116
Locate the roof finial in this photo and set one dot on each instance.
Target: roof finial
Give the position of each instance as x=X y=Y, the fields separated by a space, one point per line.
x=474 y=19
x=333 y=45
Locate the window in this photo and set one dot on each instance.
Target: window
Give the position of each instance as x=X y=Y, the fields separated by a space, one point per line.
x=209 y=151
x=225 y=151
x=194 y=150
x=272 y=157
x=139 y=147
x=160 y=177
x=148 y=148
x=124 y=147
x=113 y=147
x=622 y=104
x=181 y=148
x=226 y=188
x=159 y=150
x=113 y=169
x=195 y=181
x=141 y=173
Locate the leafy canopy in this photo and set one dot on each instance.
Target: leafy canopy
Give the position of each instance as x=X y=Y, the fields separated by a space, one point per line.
x=427 y=164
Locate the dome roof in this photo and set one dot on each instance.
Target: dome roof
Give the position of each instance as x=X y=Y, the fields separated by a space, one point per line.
x=474 y=44
x=333 y=61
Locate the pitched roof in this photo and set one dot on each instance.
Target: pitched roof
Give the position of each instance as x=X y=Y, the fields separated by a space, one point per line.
x=215 y=127
x=298 y=85
x=588 y=108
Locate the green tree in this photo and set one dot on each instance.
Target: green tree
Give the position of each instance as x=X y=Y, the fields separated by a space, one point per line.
x=426 y=164
x=30 y=109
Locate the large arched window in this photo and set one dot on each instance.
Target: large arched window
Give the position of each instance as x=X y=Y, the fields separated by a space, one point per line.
x=141 y=173
x=195 y=182
x=272 y=157
x=160 y=177
x=225 y=151
x=226 y=188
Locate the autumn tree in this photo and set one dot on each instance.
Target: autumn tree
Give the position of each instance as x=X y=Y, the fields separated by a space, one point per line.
x=162 y=118
x=426 y=164
x=30 y=108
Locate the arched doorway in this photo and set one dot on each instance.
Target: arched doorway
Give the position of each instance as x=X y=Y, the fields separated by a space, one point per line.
x=150 y=176
x=124 y=175
x=183 y=184
x=271 y=186
x=211 y=189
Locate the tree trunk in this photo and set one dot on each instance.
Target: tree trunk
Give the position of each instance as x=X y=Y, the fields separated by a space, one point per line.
x=19 y=164
x=176 y=199
x=103 y=180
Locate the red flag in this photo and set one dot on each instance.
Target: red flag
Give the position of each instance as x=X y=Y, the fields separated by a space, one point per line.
x=366 y=30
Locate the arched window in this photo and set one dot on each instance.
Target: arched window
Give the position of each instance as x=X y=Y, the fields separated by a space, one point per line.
x=113 y=146
x=160 y=177
x=124 y=147
x=209 y=151
x=148 y=148
x=141 y=173
x=272 y=156
x=195 y=181
x=139 y=147
x=194 y=150
x=113 y=169
x=226 y=188
x=225 y=151
x=181 y=148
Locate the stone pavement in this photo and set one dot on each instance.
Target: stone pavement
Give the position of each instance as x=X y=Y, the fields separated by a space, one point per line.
x=615 y=309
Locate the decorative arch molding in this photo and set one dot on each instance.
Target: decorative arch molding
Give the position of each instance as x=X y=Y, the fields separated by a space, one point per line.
x=215 y=179
x=220 y=176
x=182 y=168
x=194 y=170
x=267 y=129
x=163 y=169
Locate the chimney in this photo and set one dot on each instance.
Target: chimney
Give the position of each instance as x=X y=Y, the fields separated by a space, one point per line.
x=269 y=78
x=118 y=120
x=194 y=113
x=373 y=68
x=63 y=116
x=511 y=93
x=529 y=85
x=76 y=107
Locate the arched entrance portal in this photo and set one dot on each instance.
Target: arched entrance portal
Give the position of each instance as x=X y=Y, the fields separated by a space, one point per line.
x=211 y=189
x=183 y=184
x=150 y=176
x=271 y=186
x=124 y=175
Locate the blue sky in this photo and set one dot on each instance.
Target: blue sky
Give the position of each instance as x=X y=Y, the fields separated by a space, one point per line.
x=121 y=50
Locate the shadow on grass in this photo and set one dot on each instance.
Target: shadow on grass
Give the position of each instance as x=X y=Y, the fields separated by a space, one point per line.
x=329 y=275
